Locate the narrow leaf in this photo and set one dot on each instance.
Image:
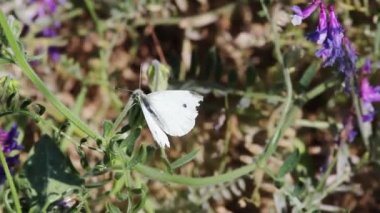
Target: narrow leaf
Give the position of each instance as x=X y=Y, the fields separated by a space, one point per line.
x=25 y=103
x=40 y=110
x=308 y=76
x=112 y=209
x=10 y=99
x=107 y=126
x=129 y=142
x=289 y=164
x=184 y=159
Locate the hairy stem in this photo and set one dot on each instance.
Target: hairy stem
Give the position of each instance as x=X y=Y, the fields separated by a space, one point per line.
x=272 y=145
x=21 y=61
x=9 y=177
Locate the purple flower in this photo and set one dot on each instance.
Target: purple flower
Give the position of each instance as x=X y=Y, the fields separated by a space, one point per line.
x=49 y=8
x=368 y=93
x=367 y=66
x=46 y=7
x=8 y=144
x=336 y=49
x=54 y=53
x=332 y=45
x=320 y=35
x=300 y=14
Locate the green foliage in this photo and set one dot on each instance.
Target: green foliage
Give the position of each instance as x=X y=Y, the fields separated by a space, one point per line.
x=256 y=90
x=184 y=159
x=289 y=164
x=309 y=75
x=49 y=172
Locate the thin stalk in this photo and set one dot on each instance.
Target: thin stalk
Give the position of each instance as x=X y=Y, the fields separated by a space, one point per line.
x=322 y=183
x=21 y=61
x=358 y=111
x=94 y=16
x=315 y=124
x=121 y=117
x=320 y=89
x=9 y=177
x=76 y=110
x=158 y=175
x=271 y=147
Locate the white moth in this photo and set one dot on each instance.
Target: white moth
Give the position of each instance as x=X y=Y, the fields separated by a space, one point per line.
x=169 y=111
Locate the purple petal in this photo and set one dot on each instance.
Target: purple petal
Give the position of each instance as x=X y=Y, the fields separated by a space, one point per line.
x=297 y=10
x=367 y=67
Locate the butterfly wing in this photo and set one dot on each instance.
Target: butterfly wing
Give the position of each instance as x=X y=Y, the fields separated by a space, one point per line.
x=176 y=110
x=150 y=117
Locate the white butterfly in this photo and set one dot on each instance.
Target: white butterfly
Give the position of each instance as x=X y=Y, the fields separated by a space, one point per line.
x=169 y=111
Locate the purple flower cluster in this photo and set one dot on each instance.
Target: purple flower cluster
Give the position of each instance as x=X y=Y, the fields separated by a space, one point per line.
x=336 y=49
x=8 y=144
x=48 y=8
x=368 y=93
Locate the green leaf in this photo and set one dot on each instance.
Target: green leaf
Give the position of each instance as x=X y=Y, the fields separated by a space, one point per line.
x=97 y=184
x=40 y=109
x=122 y=196
x=184 y=159
x=107 y=126
x=25 y=103
x=5 y=113
x=137 y=157
x=135 y=115
x=309 y=74
x=142 y=193
x=64 y=126
x=4 y=60
x=10 y=99
x=112 y=208
x=15 y=26
x=82 y=158
x=118 y=185
x=129 y=142
x=166 y=161
x=49 y=172
x=289 y=164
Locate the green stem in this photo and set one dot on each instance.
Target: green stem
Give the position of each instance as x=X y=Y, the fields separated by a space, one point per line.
x=81 y=98
x=322 y=183
x=121 y=117
x=359 y=115
x=21 y=61
x=319 y=89
x=10 y=182
x=315 y=124
x=156 y=174
x=91 y=10
x=271 y=147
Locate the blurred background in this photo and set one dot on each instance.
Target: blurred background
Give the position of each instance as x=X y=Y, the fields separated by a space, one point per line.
x=91 y=54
